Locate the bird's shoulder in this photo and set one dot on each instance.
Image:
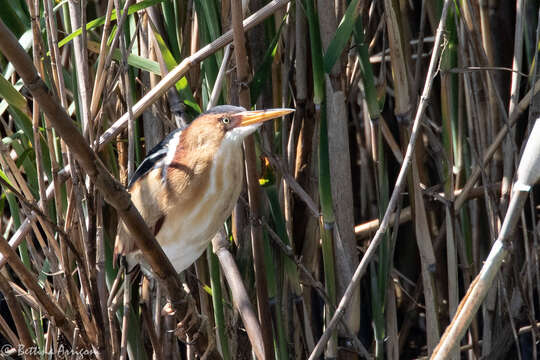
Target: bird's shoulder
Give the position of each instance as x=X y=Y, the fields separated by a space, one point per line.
x=159 y=157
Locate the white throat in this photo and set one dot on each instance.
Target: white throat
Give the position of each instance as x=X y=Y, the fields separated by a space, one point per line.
x=238 y=134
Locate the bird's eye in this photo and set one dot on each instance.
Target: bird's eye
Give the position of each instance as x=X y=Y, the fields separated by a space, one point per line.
x=225 y=120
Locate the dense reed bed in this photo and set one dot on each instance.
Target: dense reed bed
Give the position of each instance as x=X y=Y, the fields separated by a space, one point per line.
x=366 y=216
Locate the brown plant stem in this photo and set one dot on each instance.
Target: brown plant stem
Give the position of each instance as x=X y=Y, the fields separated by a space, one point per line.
x=31 y=282
x=17 y=315
x=112 y=191
x=77 y=11
x=239 y=294
x=242 y=73
x=102 y=69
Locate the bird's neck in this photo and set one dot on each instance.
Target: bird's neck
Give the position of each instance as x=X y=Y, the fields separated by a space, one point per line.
x=197 y=154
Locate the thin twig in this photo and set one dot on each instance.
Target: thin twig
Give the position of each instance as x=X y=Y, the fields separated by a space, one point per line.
x=219 y=79
x=239 y=294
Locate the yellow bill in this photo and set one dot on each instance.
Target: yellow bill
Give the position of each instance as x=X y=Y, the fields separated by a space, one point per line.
x=258 y=116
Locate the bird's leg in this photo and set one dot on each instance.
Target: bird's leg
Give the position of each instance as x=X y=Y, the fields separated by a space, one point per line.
x=183 y=328
x=188 y=321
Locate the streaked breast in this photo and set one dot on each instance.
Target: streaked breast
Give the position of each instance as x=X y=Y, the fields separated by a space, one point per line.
x=193 y=222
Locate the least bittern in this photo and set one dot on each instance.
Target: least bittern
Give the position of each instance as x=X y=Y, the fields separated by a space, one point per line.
x=189 y=183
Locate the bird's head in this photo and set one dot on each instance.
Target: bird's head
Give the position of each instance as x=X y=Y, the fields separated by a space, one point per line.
x=231 y=123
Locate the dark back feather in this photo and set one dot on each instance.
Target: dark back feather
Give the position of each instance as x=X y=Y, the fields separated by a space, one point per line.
x=151 y=160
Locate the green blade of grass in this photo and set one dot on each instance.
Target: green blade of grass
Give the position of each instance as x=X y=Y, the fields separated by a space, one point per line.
x=325 y=193
x=340 y=39
x=14 y=16
x=12 y=96
x=101 y=20
x=316 y=53
x=181 y=85
x=263 y=72
x=217 y=303
x=169 y=18
x=209 y=30
x=374 y=108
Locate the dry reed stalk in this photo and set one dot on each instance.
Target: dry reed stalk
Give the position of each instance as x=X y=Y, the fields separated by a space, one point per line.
x=242 y=73
x=239 y=294
x=77 y=12
x=103 y=292
x=127 y=97
x=400 y=182
x=508 y=159
x=16 y=312
x=125 y=316
x=102 y=66
x=492 y=148
x=219 y=79
x=340 y=168
x=428 y=261
x=7 y=333
x=30 y=281
x=112 y=191
x=36 y=55
x=527 y=175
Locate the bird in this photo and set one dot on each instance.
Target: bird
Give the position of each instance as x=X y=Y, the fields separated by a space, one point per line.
x=189 y=183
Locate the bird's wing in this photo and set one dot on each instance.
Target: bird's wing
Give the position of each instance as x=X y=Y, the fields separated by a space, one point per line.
x=156 y=156
x=144 y=196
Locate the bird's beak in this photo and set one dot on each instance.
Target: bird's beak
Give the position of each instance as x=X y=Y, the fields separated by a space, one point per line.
x=258 y=116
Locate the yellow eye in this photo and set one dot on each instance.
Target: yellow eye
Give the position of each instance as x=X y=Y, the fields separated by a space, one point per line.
x=225 y=120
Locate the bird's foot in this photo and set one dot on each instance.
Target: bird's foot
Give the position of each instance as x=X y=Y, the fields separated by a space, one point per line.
x=168 y=310
x=189 y=333
x=170 y=307
x=185 y=326
x=185 y=329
